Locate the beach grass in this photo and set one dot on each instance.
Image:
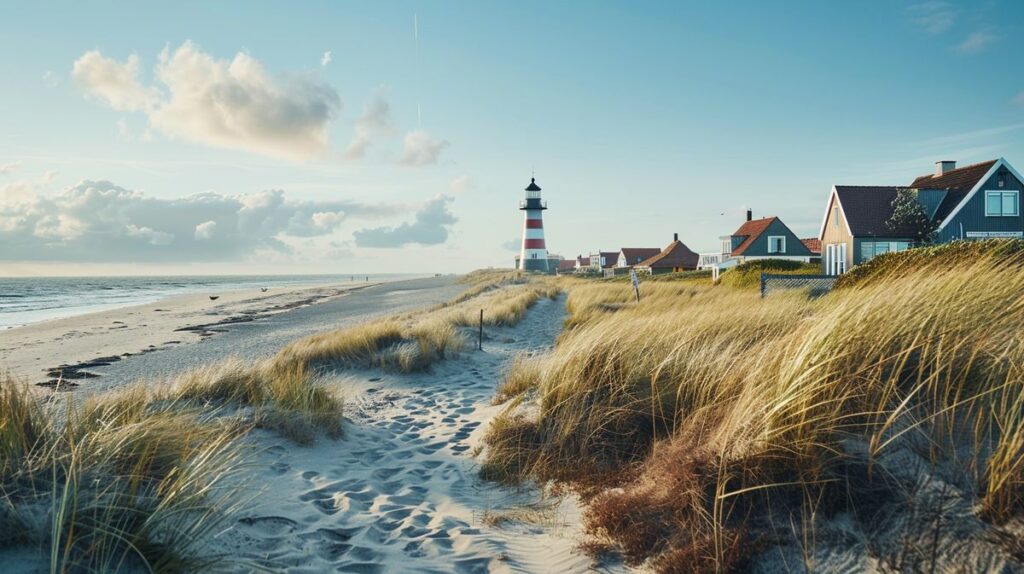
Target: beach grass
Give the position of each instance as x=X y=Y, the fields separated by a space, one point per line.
x=116 y=483
x=687 y=417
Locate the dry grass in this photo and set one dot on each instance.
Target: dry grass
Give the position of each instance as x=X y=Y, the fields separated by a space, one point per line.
x=123 y=484
x=708 y=404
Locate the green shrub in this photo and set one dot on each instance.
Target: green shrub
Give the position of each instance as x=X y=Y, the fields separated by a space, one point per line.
x=748 y=275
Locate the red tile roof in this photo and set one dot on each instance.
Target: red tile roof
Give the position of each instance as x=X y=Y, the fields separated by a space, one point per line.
x=812 y=243
x=611 y=258
x=566 y=264
x=675 y=255
x=751 y=230
x=964 y=178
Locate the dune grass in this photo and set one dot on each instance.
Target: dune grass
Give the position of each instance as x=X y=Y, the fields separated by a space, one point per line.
x=706 y=406
x=748 y=275
x=123 y=484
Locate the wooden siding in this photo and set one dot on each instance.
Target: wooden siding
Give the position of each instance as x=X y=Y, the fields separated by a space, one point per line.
x=972 y=215
x=836 y=234
x=794 y=247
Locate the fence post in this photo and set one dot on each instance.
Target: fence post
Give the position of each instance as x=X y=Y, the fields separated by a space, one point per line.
x=762 y=284
x=480 y=337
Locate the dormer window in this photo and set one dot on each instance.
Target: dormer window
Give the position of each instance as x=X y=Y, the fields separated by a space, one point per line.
x=776 y=244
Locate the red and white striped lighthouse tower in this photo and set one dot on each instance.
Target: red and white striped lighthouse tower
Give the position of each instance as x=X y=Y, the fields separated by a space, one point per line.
x=534 y=254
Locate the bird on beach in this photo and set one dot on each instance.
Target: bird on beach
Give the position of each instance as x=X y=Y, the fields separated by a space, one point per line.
x=264 y=289
x=214 y=297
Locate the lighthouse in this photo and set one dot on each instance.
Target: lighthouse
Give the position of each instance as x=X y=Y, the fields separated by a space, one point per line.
x=534 y=254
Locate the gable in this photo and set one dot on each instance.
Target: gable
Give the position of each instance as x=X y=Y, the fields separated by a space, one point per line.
x=984 y=181
x=771 y=227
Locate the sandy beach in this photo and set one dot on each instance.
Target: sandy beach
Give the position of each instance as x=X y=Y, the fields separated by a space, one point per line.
x=104 y=349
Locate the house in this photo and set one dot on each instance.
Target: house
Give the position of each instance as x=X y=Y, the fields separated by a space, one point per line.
x=603 y=260
x=765 y=238
x=630 y=256
x=675 y=257
x=977 y=201
x=566 y=266
x=813 y=245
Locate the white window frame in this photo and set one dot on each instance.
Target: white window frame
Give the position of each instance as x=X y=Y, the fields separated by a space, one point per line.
x=1001 y=193
x=771 y=239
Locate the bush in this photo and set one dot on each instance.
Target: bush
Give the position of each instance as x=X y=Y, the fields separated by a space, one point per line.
x=937 y=258
x=747 y=275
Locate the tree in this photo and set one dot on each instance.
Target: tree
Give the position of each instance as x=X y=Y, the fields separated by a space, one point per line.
x=909 y=214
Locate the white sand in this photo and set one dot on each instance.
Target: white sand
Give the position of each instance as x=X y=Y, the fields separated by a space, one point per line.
x=401 y=493
x=28 y=352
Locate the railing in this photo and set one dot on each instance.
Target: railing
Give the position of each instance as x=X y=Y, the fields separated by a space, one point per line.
x=815 y=285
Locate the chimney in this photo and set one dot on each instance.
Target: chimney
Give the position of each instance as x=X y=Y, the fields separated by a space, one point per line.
x=750 y=214
x=943 y=167
x=675 y=237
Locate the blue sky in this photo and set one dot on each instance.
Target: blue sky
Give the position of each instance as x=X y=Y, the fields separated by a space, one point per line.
x=410 y=147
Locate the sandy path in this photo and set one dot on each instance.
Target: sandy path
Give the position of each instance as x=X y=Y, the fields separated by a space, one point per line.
x=400 y=493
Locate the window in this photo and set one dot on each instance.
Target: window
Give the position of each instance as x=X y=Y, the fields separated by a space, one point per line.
x=776 y=244
x=835 y=216
x=1002 y=203
x=871 y=249
x=835 y=258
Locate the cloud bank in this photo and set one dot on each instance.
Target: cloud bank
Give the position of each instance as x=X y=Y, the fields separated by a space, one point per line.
x=231 y=104
x=98 y=221
x=430 y=227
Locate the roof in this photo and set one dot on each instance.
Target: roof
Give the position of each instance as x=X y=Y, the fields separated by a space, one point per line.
x=751 y=230
x=958 y=181
x=533 y=185
x=566 y=264
x=812 y=243
x=868 y=208
x=676 y=254
x=611 y=258
x=634 y=255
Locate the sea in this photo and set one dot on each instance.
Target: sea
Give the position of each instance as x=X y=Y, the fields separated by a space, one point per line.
x=27 y=300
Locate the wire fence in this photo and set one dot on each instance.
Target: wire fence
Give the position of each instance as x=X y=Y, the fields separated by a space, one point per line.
x=815 y=285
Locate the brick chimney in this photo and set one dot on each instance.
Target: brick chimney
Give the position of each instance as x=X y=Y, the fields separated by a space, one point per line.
x=750 y=214
x=944 y=166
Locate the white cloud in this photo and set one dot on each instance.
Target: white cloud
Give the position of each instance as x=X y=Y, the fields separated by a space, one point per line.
x=48 y=177
x=325 y=59
x=115 y=83
x=421 y=148
x=205 y=230
x=231 y=104
x=976 y=42
x=461 y=184
x=98 y=221
x=934 y=17
x=7 y=168
x=375 y=122
x=430 y=227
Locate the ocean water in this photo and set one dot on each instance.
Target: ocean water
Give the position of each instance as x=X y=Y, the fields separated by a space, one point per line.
x=26 y=300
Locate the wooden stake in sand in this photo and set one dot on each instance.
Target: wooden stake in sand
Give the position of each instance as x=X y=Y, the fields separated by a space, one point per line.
x=480 y=337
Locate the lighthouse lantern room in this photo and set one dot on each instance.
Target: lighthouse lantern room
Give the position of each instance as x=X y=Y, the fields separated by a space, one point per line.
x=534 y=254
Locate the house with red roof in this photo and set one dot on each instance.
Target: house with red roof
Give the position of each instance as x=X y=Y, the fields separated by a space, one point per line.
x=977 y=201
x=673 y=258
x=765 y=238
x=630 y=256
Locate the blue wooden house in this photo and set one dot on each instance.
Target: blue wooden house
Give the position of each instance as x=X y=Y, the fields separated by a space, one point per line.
x=765 y=238
x=978 y=201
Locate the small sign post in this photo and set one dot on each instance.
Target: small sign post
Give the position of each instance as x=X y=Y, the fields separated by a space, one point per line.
x=636 y=283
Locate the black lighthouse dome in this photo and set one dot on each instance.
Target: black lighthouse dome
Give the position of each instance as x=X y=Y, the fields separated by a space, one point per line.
x=533 y=185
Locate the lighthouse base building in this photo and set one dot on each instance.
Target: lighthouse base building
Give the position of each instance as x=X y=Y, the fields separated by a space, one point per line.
x=534 y=254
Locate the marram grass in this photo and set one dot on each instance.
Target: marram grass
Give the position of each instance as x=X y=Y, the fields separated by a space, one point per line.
x=700 y=399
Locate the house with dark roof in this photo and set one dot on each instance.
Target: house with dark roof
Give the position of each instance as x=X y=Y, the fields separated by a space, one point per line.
x=977 y=201
x=604 y=260
x=676 y=256
x=630 y=256
x=765 y=238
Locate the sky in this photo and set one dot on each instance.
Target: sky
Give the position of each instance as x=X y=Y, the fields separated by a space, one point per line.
x=369 y=137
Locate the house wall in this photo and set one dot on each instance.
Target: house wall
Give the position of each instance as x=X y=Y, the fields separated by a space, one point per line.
x=972 y=215
x=794 y=247
x=836 y=234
